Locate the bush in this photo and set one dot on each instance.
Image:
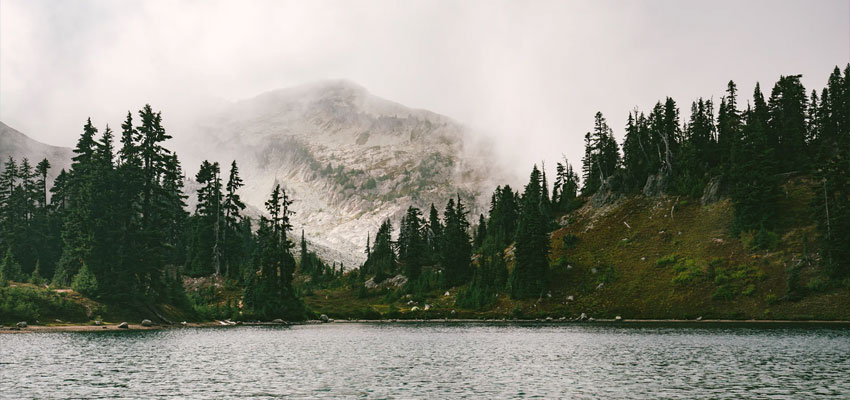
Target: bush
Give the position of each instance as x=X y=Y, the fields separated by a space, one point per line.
x=569 y=240
x=36 y=278
x=762 y=239
x=29 y=304
x=85 y=282
x=817 y=284
x=666 y=260
x=686 y=271
x=733 y=281
x=10 y=269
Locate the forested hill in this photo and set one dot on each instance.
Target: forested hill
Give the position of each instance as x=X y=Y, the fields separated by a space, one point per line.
x=739 y=213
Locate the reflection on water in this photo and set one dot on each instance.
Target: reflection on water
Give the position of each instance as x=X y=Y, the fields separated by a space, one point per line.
x=431 y=361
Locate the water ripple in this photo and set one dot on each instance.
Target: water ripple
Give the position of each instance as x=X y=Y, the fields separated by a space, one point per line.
x=430 y=361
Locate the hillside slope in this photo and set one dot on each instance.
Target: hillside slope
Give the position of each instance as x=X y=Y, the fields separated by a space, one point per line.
x=654 y=258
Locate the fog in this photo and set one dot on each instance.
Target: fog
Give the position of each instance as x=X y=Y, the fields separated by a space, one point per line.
x=528 y=76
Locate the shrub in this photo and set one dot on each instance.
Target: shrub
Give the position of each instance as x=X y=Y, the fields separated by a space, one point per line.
x=762 y=239
x=29 y=304
x=666 y=260
x=817 y=284
x=686 y=271
x=85 y=282
x=733 y=281
x=10 y=269
x=36 y=278
x=569 y=240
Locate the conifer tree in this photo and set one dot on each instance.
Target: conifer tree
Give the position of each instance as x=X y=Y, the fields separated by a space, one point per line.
x=602 y=156
x=480 y=232
x=456 y=249
x=754 y=189
x=434 y=234
x=233 y=207
x=412 y=243
x=530 y=274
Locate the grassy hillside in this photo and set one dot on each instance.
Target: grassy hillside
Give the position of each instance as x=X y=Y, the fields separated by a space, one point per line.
x=668 y=257
x=640 y=258
x=37 y=304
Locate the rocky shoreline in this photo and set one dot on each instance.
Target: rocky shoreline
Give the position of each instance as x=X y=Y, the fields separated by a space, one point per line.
x=146 y=325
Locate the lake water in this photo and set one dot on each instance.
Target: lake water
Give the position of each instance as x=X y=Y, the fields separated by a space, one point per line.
x=434 y=361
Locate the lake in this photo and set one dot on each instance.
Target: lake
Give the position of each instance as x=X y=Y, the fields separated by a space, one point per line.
x=433 y=360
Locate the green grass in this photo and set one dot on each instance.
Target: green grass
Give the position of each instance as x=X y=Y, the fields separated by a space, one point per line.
x=669 y=267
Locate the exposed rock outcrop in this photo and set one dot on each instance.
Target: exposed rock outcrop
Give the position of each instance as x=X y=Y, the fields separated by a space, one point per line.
x=713 y=191
x=655 y=185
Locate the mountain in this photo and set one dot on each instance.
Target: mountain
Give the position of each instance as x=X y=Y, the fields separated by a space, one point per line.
x=19 y=146
x=350 y=159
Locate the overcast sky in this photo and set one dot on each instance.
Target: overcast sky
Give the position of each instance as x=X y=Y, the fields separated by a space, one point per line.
x=529 y=74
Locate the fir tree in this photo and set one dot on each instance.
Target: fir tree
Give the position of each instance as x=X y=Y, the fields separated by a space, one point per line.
x=530 y=274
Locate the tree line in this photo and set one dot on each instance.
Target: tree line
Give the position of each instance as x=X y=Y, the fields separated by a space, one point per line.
x=115 y=226
x=749 y=150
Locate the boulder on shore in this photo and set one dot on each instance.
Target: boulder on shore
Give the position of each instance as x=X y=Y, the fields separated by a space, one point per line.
x=123 y=325
x=22 y=324
x=147 y=322
x=323 y=318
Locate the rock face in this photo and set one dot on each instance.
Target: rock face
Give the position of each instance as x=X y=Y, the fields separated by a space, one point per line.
x=655 y=185
x=123 y=325
x=349 y=159
x=147 y=322
x=394 y=282
x=713 y=191
x=608 y=193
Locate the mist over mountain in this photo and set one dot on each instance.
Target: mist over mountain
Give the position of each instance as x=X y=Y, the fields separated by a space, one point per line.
x=350 y=159
x=19 y=146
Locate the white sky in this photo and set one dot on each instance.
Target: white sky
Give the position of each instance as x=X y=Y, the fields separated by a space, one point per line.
x=529 y=74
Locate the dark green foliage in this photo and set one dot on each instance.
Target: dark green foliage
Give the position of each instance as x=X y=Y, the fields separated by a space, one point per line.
x=434 y=234
x=456 y=249
x=504 y=212
x=205 y=247
x=269 y=293
x=787 y=123
x=412 y=243
x=601 y=157
x=36 y=278
x=565 y=192
x=754 y=186
x=698 y=157
x=29 y=304
x=10 y=269
x=830 y=134
x=85 y=282
x=480 y=232
x=530 y=274
x=488 y=279
x=381 y=261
